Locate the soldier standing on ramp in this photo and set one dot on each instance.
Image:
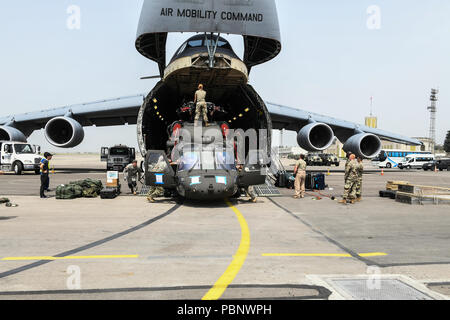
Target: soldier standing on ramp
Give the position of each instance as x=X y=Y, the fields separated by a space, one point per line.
x=300 y=177
x=360 y=170
x=351 y=181
x=201 y=106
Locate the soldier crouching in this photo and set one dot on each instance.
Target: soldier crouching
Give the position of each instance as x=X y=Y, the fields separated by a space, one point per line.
x=155 y=192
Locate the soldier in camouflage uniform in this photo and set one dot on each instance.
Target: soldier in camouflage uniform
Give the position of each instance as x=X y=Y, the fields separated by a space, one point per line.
x=360 y=170
x=155 y=192
x=346 y=166
x=133 y=175
x=351 y=175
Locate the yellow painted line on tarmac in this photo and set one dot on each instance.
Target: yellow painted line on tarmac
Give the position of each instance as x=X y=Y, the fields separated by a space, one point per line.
x=71 y=257
x=238 y=260
x=336 y=255
x=373 y=254
x=343 y=255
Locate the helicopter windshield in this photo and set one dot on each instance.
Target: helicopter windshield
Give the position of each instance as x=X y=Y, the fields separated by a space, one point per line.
x=196 y=158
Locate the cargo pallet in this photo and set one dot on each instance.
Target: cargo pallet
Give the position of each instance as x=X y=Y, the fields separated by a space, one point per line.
x=423 y=195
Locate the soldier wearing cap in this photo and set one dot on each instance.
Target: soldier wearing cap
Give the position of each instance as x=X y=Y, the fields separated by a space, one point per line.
x=45 y=180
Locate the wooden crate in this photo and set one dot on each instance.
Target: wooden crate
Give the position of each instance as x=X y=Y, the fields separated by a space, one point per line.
x=393 y=185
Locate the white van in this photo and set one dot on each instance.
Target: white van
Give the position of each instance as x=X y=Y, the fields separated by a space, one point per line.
x=416 y=161
x=18 y=157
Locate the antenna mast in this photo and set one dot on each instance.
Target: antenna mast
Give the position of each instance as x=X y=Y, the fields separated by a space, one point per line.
x=433 y=112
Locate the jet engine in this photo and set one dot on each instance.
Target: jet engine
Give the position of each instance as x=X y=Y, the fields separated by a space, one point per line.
x=363 y=145
x=11 y=134
x=315 y=137
x=64 y=132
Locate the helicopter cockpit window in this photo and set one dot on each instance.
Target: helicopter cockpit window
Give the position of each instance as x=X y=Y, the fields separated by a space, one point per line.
x=225 y=161
x=194 y=158
x=157 y=163
x=189 y=161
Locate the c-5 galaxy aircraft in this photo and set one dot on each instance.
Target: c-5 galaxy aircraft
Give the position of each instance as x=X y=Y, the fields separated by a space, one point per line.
x=233 y=104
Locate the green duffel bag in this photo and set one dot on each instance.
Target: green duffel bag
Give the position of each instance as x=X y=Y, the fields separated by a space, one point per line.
x=90 y=192
x=97 y=184
x=68 y=191
x=88 y=184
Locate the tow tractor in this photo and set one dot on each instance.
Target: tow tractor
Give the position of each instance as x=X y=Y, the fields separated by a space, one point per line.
x=18 y=157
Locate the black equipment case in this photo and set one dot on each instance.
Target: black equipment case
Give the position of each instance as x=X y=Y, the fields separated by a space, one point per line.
x=109 y=193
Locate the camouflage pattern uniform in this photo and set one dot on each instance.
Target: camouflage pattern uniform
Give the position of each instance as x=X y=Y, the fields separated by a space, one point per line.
x=351 y=181
x=133 y=172
x=346 y=170
x=250 y=192
x=155 y=192
x=360 y=170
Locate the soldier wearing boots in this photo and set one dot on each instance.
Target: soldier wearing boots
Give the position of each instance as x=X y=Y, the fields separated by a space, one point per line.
x=351 y=181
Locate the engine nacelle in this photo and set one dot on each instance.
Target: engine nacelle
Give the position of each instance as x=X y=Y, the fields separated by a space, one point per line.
x=315 y=137
x=11 y=134
x=64 y=132
x=363 y=145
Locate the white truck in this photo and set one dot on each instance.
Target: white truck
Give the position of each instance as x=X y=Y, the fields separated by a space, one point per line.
x=18 y=157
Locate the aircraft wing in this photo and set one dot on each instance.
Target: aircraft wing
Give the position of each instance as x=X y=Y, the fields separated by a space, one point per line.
x=124 y=110
x=112 y=112
x=294 y=119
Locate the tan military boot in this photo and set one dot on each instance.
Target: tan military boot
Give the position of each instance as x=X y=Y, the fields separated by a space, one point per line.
x=353 y=201
x=343 y=201
x=358 y=199
x=150 y=199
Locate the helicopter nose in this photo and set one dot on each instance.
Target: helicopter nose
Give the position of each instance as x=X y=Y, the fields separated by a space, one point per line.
x=207 y=189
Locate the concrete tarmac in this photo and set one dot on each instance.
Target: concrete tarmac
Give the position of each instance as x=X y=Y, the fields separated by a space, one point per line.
x=277 y=248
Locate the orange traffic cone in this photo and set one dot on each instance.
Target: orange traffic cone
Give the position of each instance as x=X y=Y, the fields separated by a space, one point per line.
x=382 y=172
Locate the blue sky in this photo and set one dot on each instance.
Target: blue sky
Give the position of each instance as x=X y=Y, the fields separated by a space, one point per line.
x=331 y=63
